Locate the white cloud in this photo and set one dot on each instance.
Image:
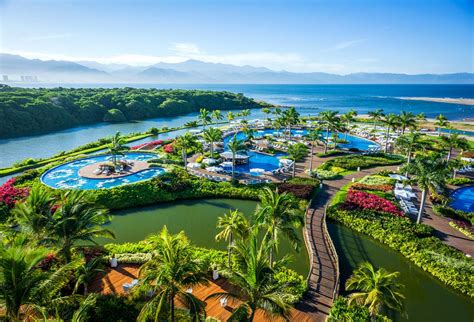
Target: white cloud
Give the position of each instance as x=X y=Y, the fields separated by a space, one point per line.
x=347 y=44
x=185 y=48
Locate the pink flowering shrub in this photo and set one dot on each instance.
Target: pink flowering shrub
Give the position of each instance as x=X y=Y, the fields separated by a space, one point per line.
x=9 y=194
x=148 y=145
x=363 y=200
x=168 y=148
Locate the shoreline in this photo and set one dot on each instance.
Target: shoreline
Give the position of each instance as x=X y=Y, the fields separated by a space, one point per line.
x=462 y=101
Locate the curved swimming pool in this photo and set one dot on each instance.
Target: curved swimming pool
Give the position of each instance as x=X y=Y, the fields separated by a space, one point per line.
x=272 y=162
x=463 y=199
x=66 y=176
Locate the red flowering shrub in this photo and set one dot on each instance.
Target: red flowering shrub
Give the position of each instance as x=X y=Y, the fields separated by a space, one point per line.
x=168 y=148
x=148 y=145
x=372 y=187
x=303 y=191
x=363 y=200
x=9 y=194
x=47 y=262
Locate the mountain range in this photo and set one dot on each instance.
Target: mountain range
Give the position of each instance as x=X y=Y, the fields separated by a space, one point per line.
x=195 y=71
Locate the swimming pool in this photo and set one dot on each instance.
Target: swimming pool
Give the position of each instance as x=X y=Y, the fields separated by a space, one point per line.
x=66 y=176
x=463 y=199
x=272 y=162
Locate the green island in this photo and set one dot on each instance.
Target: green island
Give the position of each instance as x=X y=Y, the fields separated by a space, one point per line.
x=244 y=220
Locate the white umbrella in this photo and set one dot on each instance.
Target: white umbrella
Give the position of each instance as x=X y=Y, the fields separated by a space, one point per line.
x=209 y=161
x=214 y=169
x=398 y=177
x=256 y=171
x=194 y=165
x=404 y=194
x=226 y=164
x=285 y=161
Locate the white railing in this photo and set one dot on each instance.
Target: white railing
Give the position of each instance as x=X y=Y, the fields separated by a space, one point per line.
x=333 y=252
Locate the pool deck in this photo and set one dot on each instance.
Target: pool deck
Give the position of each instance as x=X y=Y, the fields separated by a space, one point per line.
x=88 y=170
x=112 y=281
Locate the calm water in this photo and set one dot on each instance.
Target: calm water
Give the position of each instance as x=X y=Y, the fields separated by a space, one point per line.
x=309 y=99
x=197 y=218
x=427 y=299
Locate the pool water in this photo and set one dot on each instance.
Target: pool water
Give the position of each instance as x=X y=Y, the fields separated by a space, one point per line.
x=272 y=162
x=463 y=199
x=66 y=176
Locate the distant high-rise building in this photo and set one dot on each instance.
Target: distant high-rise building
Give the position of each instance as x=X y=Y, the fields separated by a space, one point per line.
x=5 y=78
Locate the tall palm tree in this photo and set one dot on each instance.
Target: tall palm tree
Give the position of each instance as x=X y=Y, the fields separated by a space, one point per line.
x=297 y=152
x=421 y=117
x=441 y=121
x=86 y=273
x=330 y=121
x=279 y=214
x=267 y=112
x=391 y=122
x=407 y=120
x=117 y=147
x=347 y=118
x=35 y=214
x=24 y=287
x=410 y=144
x=428 y=174
x=217 y=115
x=245 y=113
x=212 y=135
x=186 y=142
x=78 y=219
x=230 y=116
x=290 y=118
x=314 y=136
x=375 y=289
x=376 y=116
x=235 y=145
x=453 y=141
x=170 y=273
x=233 y=224
x=204 y=116
x=253 y=278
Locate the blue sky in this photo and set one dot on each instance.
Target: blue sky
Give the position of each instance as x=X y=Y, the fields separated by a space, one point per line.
x=330 y=36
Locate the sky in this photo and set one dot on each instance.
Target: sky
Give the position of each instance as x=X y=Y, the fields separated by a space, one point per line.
x=430 y=36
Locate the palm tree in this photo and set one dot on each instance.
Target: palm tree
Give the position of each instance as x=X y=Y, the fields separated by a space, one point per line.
x=297 y=152
x=267 y=112
x=428 y=174
x=407 y=120
x=330 y=121
x=441 y=121
x=375 y=289
x=186 y=142
x=204 y=116
x=233 y=224
x=117 y=147
x=313 y=136
x=454 y=141
x=290 y=117
x=410 y=144
x=253 y=278
x=347 y=118
x=35 y=214
x=230 y=116
x=87 y=272
x=78 y=219
x=235 y=145
x=391 y=122
x=170 y=273
x=279 y=214
x=212 y=135
x=24 y=287
x=249 y=134
x=421 y=117
x=376 y=116
x=217 y=115
x=245 y=113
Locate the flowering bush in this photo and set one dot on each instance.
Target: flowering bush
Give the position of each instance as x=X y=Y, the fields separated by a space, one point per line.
x=464 y=227
x=47 y=262
x=168 y=148
x=303 y=191
x=363 y=200
x=148 y=145
x=378 y=187
x=9 y=194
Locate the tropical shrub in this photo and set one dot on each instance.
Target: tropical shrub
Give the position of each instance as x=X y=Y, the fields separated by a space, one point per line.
x=429 y=253
x=9 y=194
x=372 y=187
x=463 y=227
x=460 y=181
x=446 y=211
x=325 y=174
x=352 y=162
x=112 y=308
x=302 y=191
x=341 y=311
x=362 y=200
x=376 y=180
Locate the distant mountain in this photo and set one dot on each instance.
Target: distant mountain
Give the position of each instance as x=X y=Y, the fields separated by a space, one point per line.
x=195 y=71
x=15 y=65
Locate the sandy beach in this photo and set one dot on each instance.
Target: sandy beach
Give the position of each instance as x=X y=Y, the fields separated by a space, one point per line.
x=463 y=101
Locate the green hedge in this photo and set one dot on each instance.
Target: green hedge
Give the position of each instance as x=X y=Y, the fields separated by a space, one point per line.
x=446 y=211
x=429 y=253
x=352 y=162
x=460 y=181
x=341 y=311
